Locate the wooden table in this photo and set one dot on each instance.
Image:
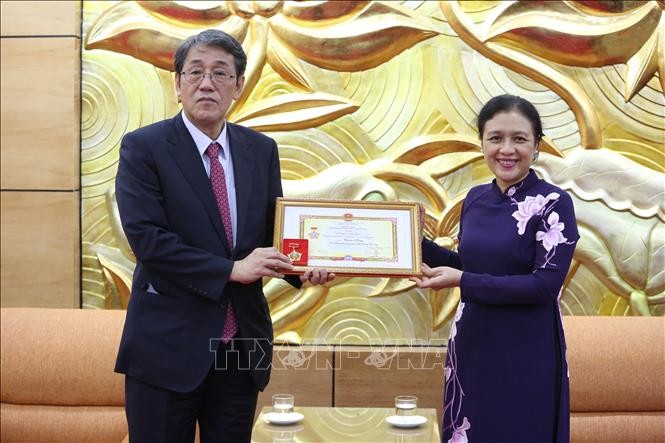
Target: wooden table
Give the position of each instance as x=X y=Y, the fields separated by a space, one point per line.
x=341 y=425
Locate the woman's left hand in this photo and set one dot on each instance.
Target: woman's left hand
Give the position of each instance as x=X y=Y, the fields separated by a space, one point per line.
x=438 y=278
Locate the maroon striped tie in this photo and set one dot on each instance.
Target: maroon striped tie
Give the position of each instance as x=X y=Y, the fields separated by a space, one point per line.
x=218 y=180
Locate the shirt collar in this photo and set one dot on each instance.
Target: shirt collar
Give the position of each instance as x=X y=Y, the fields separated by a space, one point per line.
x=201 y=140
x=521 y=186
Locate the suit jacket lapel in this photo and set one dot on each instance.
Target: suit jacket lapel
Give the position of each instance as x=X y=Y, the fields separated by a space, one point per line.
x=242 y=167
x=184 y=152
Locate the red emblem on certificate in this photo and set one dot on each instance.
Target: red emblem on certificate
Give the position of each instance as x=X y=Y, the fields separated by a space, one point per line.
x=296 y=250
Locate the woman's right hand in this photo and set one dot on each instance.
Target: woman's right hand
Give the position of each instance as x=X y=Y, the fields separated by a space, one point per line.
x=438 y=278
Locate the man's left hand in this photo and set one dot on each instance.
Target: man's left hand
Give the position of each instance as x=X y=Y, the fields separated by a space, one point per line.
x=317 y=276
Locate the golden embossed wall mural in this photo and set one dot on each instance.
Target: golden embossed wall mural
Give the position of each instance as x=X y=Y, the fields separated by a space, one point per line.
x=377 y=101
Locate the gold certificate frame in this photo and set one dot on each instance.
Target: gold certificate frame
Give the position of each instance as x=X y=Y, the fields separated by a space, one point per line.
x=350 y=237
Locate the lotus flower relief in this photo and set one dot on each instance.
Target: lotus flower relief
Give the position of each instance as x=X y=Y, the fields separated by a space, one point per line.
x=342 y=36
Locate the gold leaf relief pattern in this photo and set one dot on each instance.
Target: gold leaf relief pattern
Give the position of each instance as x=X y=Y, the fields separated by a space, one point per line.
x=614 y=306
x=356 y=41
x=459 y=182
x=640 y=119
x=624 y=252
x=534 y=68
x=591 y=175
x=634 y=36
x=463 y=93
x=648 y=60
x=587 y=295
x=549 y=29
x=391 y=97
x=193 y=14
x=291 y=112
x=350 y=317
x=377 y=101
x=288 y=65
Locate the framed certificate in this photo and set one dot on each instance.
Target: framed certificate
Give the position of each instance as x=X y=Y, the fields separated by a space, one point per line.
x=349 y=237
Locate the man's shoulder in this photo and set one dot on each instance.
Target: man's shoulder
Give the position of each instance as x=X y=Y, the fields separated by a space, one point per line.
x=159 y=128
x=249 y=134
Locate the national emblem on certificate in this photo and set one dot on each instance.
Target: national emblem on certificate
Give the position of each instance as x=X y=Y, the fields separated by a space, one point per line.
x=349 y=237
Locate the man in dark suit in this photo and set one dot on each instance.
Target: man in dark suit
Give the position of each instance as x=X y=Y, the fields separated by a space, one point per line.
x=196 y=197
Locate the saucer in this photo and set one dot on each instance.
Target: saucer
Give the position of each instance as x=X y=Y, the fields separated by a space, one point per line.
x=278 y=418
x=406 y=421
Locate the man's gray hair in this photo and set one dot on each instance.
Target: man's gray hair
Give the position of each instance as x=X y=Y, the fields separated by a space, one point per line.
x=214 y=38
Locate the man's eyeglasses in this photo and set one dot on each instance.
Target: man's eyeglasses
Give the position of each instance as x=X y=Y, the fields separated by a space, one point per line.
x=195 y=76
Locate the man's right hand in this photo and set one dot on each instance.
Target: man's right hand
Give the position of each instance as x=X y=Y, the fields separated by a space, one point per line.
x=262 y=262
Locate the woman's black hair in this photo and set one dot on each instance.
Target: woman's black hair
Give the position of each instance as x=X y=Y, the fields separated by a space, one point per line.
x=507 y=103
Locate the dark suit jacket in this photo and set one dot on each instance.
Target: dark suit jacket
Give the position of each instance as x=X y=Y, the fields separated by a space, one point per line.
x=170 y=217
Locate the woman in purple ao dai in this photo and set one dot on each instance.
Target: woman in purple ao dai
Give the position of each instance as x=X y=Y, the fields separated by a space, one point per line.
x=506 y=376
